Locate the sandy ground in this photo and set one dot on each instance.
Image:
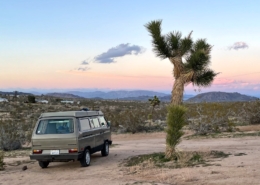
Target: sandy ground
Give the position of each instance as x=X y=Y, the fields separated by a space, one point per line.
x=242 y=169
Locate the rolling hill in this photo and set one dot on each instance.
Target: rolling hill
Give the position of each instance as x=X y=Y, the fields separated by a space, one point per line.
x=220 y=97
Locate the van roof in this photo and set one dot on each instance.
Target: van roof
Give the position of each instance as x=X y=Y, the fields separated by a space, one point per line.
x=71 y=113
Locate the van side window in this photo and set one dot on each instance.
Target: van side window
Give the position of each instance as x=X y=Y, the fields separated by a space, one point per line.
x=84 y=124
x=102 y=121
x=92 y=123
x=96 y=122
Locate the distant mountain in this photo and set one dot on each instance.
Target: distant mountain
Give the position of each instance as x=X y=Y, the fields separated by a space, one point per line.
x=63 y=95
x=12 y=93
x=138 y=95
x=116 y=94
x=220 y=97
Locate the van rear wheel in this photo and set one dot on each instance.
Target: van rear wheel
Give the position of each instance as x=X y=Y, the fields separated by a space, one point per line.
x=85 y=160
x=105 y=150
x=43 y=164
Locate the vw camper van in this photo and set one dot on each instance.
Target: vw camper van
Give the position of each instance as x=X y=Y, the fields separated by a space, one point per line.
x=70 y=135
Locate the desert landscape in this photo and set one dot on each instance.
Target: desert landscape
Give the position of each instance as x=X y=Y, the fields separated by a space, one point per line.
x=175 y=83
x=240 y=167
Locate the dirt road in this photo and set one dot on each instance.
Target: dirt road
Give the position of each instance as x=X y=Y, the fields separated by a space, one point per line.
x=241 y=167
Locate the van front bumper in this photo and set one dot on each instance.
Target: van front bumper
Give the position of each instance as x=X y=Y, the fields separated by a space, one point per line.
x=56 y=158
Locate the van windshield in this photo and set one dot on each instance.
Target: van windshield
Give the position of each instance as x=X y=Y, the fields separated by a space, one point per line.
x=55 y=126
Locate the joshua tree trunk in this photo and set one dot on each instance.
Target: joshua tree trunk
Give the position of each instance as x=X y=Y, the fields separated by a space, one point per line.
x=177 y=91
x=169 y=151
x=178 y=86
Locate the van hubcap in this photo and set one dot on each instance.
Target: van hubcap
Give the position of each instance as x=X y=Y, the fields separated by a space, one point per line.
x=107 y=149
x=87 y=158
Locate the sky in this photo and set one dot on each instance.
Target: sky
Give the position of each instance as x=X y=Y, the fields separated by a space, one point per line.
x=103 y=45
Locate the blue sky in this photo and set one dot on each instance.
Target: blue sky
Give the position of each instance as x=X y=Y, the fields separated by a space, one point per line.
x=55 y=44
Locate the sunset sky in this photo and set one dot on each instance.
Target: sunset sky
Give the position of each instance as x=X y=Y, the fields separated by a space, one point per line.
x=89 y=44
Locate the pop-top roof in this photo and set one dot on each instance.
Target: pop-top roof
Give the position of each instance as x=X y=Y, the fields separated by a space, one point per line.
x=71 y=114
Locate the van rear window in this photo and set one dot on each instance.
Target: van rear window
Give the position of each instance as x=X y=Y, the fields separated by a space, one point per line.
x=55 y=126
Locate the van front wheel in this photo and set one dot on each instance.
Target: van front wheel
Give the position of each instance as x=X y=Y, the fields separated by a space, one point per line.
x=105 y=150
x=43 y=164
x=85 y=160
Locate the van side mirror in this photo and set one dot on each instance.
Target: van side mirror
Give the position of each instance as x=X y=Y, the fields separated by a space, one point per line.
x=108 y=123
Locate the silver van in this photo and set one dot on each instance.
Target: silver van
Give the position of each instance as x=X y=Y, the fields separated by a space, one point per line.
x=70 y=135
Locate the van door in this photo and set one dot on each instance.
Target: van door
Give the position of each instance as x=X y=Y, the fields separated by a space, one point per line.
x=99 y=141
x=86 y=135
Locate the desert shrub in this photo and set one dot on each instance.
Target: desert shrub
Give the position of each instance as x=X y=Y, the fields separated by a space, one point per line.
x=10 y=135
x=133 y=120
x=14 y=133
x=1 y=160
x=129 y=119
x=31 y=99
x=175 y=122
x=251 y=112
x=207 y=118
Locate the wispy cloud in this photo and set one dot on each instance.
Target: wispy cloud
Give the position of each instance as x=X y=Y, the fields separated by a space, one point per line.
x=87 y=61
x=118 y=51
x=239 y=45
x=84 y=62
x=83 y=68
x=235 y=84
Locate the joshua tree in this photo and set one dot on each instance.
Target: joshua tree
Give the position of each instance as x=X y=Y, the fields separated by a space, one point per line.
x=154 y=102
x=191 y=65
x=190 y=59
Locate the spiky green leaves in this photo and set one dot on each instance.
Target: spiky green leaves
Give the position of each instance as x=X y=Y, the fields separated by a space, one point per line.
x=185 y=45
x=155 y=101
x=199 y=57
x=175 y=122
x=170 y=45
x=198 y=61
x=173 y=40
x=203 y=78
x=160 y=45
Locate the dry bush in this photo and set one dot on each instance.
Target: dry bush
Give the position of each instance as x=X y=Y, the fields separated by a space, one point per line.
x=10 y=135
x=130 y=119
x=251 y=112
x=207 y=118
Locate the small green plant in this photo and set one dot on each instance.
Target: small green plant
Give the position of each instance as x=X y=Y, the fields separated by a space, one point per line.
x=175 y=122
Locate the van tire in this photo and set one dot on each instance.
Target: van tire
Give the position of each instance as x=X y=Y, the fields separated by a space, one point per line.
x=44 y=164
x=85 y=160
x=105 y=150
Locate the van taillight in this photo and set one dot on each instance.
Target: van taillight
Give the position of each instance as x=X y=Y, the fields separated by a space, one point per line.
x=74 y=150
x=37 y=151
